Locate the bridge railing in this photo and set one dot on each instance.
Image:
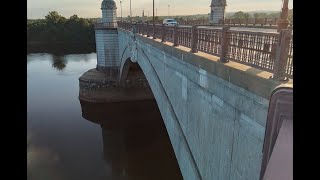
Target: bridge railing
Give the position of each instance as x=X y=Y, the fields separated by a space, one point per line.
x=209 y=40
x=289 y=67
x=193 y=22
x=252 y=48
x=272 y=52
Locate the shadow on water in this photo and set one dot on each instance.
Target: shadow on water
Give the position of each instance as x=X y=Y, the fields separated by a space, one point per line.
x=135 y=141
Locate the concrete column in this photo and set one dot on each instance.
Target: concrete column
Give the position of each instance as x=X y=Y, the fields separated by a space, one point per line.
x=217 y=11
x=107 y=43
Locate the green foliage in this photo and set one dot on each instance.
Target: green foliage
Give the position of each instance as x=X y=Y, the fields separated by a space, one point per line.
x=241 y=15
x=57 y=29
x=265 y=15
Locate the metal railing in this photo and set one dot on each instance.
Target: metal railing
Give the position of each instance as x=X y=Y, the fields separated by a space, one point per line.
x=209 y=40
x=272 y=52
x=252 y=48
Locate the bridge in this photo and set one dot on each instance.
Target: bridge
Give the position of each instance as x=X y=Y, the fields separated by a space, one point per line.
x=225 y=95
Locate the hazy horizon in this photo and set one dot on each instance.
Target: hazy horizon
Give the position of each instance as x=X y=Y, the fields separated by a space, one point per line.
x=37 y=9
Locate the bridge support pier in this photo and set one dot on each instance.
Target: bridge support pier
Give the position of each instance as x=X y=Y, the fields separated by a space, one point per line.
x=96 y=86
x=102 y=84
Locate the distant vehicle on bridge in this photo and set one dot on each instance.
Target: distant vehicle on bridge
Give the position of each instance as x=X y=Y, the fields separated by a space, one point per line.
x=170 y=22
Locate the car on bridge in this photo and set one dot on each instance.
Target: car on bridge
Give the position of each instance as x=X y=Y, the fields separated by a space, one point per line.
x=170 y=22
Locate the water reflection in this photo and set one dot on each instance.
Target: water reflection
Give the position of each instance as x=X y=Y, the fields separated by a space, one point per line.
x=62 y=145
x=59 y=62
x=135 y=141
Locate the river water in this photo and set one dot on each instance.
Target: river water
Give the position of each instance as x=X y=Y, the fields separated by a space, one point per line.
x=69 y=139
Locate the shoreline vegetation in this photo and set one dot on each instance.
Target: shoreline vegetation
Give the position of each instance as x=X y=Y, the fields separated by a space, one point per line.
x=56 y=34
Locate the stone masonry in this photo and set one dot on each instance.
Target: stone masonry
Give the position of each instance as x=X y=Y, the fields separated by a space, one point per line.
x=217 y=13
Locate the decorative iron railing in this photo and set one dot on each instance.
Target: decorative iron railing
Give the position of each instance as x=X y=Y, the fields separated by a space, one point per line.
x=272 y=52
x=252 y=48
x=184 y=36
x=289 y=67
x=253 y=21
x=209 y=40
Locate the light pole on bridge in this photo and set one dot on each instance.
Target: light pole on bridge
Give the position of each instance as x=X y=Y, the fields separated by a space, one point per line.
x=283 y=22
x=153 y=21
x=130 y=13
x=121 y=9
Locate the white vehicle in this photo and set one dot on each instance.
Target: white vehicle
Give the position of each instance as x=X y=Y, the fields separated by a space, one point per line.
x=170 y=22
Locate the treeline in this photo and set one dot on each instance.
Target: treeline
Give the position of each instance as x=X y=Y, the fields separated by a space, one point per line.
x=229 y=15
x=56 y=32
x=245 y=15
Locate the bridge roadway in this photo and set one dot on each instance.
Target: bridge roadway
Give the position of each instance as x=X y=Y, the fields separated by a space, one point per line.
x=253 y=29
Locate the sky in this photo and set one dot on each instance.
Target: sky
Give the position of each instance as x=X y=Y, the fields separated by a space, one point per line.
x=91 y=8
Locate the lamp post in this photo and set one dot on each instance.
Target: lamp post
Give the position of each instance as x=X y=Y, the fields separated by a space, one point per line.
x=153 y=21
x=283 y=22
x=168 y=11
x=121 y=9
x=130 y=13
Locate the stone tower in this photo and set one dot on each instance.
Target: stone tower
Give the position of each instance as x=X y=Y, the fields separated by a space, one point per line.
x=107 y=44
x=217 y=11
x=103 y=83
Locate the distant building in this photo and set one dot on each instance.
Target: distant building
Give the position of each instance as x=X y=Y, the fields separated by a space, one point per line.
x=217 y=13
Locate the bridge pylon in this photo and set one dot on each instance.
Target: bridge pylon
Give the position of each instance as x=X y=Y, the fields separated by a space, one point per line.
x=107 y=43
x=217 y=13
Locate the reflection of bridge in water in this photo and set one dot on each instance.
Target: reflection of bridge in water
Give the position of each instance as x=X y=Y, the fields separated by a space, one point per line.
x=135 y=143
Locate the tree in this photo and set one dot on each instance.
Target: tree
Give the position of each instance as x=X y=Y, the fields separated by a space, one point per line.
x=241 y=15
x=57 y=29
x=260 y=15
x=53 y=17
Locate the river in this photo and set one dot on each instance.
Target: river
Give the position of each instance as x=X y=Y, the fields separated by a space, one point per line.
x=69 y=139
